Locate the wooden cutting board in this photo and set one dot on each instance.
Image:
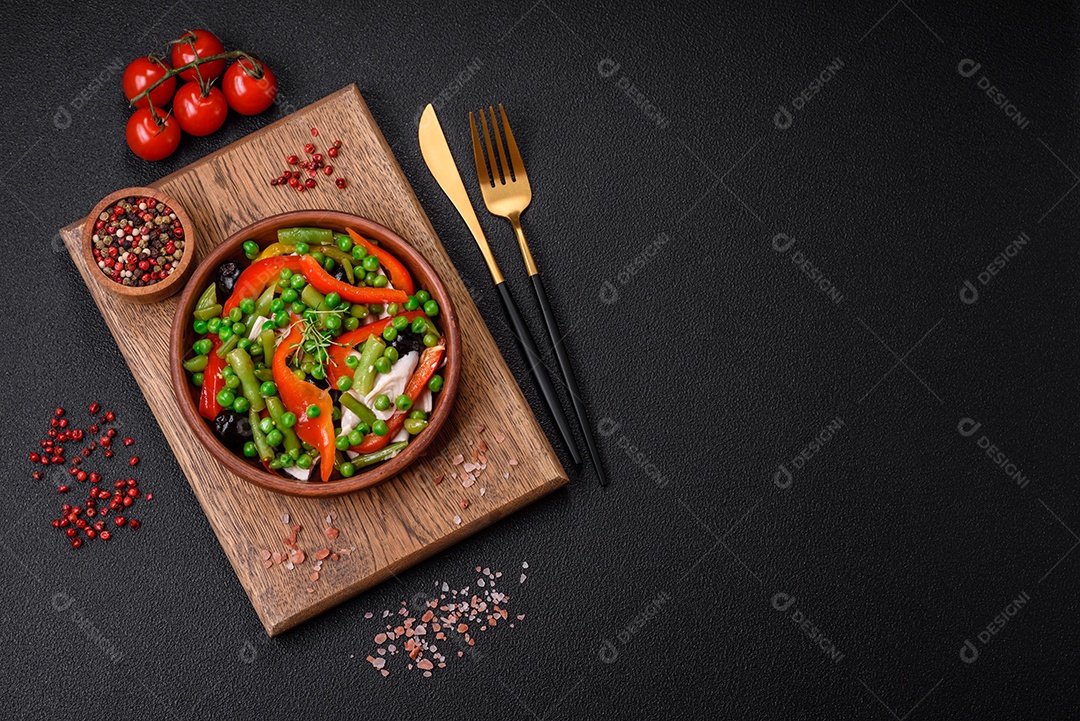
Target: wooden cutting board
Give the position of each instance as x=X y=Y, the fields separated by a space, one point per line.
x=383 y=530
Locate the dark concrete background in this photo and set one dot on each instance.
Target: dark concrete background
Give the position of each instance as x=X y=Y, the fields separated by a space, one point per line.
x=666 y=196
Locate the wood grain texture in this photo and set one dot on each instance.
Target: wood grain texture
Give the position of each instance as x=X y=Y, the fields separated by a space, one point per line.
x=404 y=520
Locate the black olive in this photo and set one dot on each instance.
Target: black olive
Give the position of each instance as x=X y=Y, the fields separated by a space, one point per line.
x=233 y=429
x=227 y=273
x=339 y=273
x=407 y=342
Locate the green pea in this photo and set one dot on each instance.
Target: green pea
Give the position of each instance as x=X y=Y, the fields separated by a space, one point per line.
x=359 y=252
x=423 y=296
x=232 y=383
x=281 y=319
x=277 y=305
x=418 y=415
x=419 y=325
x=342 y=443
x=318 y=372
x=379 y=428
x=391 y=354
x=369 y=278
x=355 y=437
x=332 y=300
x=302 y=248
x=249 y=449
x=376 y=308
x=288 y=419
x=298 y=308
x=267 y=325
x=226 y=397
x=431 y=308
x=202 y=347
x=313 y=411
x=297 y=282
x=370 y=263
x=359 y=311
x=430 y=340
x=235 y=314
x=239 y=329
x=311 y=318
x=269 y=388
x=225 y=333
x=197 y=379
x=389 y=333
x=381 y=281
x=344 y=383
x=199 y=326
x=274 y=464
x=304 y=461
x=244 y=344
x=241 y=404
x=328 y=264
x=251 y=249
x=363 y=430
x=333 y=322
x=414 y=426
x=227 y=372
x=275 y=437
x=344 y=243
x=254 y=350
x=318 y=257
x=299 y=374
x=382 y=402
x=383 y=364
x=403 y=402
x=289 y=296
x=266 y=424
x=412 y=303
x=285 y=274
x=352 y=362
x=400 y=322
x=351 y=323
x=347 y=470
x=247 y=305
x=435 y=384
x=213 y=325
x=393 y=309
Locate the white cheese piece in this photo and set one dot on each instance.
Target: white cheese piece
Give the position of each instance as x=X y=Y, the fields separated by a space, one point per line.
x=300 y=474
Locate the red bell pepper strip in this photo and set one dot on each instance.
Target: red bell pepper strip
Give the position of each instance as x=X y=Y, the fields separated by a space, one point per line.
x=429 y=363
x=298 y=395
x=253 y=281
x=399 y=274
x=212 y=381
x=325 y=283
x=344 y=343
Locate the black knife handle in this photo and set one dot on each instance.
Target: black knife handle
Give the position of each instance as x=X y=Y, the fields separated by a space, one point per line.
x=568 y=376
x=536 y=365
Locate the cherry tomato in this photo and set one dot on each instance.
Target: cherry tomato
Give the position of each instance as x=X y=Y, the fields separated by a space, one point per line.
x=206 y=45
x=143 y=72
x=246 y=94
x=196 y=114
x=149 y=140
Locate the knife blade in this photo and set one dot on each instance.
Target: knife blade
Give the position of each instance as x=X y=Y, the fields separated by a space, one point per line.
x=440 y=162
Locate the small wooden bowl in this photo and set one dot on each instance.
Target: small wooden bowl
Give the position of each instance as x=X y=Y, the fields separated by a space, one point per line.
x=264 y=233
x=147 y=293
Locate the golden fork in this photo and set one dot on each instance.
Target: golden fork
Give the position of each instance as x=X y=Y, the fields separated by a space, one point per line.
x=507 y=193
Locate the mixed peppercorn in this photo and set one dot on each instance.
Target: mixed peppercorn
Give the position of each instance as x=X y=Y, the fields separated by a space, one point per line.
x=138 y=241
x=323 y=351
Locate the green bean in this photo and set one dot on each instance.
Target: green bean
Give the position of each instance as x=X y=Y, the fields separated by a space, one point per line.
x=262 y=306
x=245 y=371
x=383 y=454
x=358 y=408
x=311 y=236
x=364 y=377
x=198 y=363
x=228 y=345
x=277 y=410
x=264 y=374
x=421 y=325
x=211 y=311
x=343 y=259
x=266 y=338
x=311 y=297
x=266 y=453
x=208 y=297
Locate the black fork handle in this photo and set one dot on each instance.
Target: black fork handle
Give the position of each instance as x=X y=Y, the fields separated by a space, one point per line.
x=568 y=376
x=536 y=365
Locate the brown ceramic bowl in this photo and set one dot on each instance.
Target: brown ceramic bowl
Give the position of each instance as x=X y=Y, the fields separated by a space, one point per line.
x=264 y=233
x=147 y=293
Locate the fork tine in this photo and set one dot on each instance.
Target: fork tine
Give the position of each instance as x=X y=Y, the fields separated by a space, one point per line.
x=515 y=154
x=478 y=156
x=498 y=141
x=496 y=178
